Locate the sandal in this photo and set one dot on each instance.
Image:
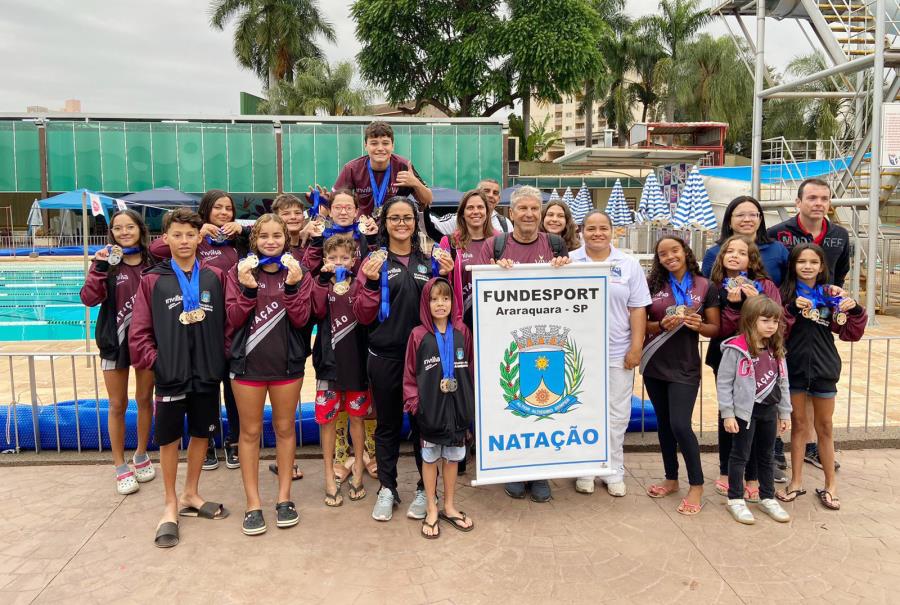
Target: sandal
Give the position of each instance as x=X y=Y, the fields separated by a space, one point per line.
x=334 y=499
x=827 y=500
x=166 y=535
x=342 y=471
x=457 y=522
x=435 y=529
x=688 y=509
x=791 y=495
x=207 y=510
x=660 y=491
x=298 y=474
x=144 y=471
x=126 y=483
x=357 y=492
x=721 y=487
x=751 y=494
x=371 y=465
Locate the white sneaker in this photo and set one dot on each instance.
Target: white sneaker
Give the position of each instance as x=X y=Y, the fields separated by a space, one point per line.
x=771 y=507
x=740 y=512
x=384 y=505
x=418 y=508
x=616 y=488
x=584 y=485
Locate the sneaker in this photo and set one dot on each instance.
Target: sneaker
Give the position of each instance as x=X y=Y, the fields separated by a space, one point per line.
x=616 y=489
x=384 y=505
x=584 y=485
x=126 y=483
x=418 y=508
x=231 y=456
x=211 y=462
x=540 y=491
x=812 y=455
x=740 y=512
x=254 y=523
x=837 y=465
x=780 y=459
x=771 y=507
x=515 y=490
x=286 y=514
x=144 y=471
x=778 y=474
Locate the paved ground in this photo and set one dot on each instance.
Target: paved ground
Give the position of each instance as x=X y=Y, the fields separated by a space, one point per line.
x=68 y=538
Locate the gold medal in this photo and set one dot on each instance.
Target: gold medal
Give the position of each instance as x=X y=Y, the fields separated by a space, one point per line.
x=185 y=318
x=732 y=283
x=805 y=312
x=840 y=318
x=288 y=261
x=681 y=310
x=379 y=255
x=448 y=385
x=198 y=315
x=251 y=260
x=376 y=213
x=670 y=310
x=342 y=287
x=814 y=314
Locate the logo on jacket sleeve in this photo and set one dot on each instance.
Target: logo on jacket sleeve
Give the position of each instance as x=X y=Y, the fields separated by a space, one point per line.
x=542 y=372
x=205 y=297
x=460 y=354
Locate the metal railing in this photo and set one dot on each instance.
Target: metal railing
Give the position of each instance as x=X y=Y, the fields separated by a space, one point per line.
x=18 y=241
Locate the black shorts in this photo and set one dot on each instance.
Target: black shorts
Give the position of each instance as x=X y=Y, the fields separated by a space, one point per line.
x=201 y=409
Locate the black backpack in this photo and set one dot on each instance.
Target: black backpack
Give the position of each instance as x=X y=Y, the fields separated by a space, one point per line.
x=557 y=244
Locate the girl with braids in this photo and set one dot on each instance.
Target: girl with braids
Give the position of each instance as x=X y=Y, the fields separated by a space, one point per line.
x=386 y=299
x=683 y=306
x=112 y=283
x=557 y=218
x=267 y=298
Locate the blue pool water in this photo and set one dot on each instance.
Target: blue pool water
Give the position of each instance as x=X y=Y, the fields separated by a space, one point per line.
x=39 y=301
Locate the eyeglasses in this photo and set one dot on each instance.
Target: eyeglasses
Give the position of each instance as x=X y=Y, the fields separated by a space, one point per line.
x=342 y=209
x=746 y=215
x=406 y=220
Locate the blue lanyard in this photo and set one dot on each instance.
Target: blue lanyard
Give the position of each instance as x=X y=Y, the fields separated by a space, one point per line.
x=681 y=290
x=336 y=229
x=270 y=260
x=815 y=295
x=212 y=242
x=190 y=290
x=379 y=193
x=384 y=311
x=435 y=265
x=756 y=282
x=317 y=200
x=340 y=274
x=131 y=250
x=445 y=350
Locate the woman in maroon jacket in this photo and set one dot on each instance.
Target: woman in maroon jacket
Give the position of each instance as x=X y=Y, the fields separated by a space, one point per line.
x=112 y=282
x=267 y=305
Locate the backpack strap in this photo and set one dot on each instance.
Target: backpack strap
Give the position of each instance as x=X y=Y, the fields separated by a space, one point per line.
x=500 y=245
x=503 y=224
x=558 y=245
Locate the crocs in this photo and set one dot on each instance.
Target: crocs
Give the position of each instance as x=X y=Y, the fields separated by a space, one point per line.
x=126 y=483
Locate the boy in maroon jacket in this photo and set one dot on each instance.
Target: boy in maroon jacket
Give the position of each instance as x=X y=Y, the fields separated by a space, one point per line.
x=178 y=331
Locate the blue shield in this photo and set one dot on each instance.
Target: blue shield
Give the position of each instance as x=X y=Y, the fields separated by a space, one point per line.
x=542 y=376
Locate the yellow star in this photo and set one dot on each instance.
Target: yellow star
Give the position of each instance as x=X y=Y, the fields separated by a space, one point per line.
x=542 y=363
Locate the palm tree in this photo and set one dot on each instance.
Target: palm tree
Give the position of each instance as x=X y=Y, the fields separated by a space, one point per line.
x=272 y=36
x=678 y=22
x=319 y=88
x=538 y=140
x=617 y=96
x=651 y=67
x=613 y=19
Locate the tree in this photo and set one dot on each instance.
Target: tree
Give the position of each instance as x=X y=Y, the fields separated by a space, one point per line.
x=676 y=24
x=320 y=88
x=648 y=62
x=272 y=36
x=537 y=142
x=617 y=97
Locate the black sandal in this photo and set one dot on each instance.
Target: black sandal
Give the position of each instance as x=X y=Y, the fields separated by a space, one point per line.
x=336 y=499
x=166 y=535
x=457 y=521
x=357 y=492
x=791 y=495
x=827 y=500
x=434 y=528
x=296 y=475
x=207 y=510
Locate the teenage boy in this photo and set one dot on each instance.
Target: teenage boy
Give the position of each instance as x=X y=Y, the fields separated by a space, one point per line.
x=381 y=174
x=178 y=331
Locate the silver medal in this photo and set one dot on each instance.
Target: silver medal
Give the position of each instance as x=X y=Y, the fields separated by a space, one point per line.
x=448 y=385
x=115 y=255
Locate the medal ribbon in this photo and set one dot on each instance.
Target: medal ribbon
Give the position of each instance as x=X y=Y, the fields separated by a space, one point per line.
x=271 y=260
x=340 y=274
x=445 y=350
x=379 y=193
x=338 y=230
x=317 y=200
x=815 y=295
x=190 y=290
x=681 y=290
x=435 y=265
x=384 y=311
x=757 y=283
x=127 y=251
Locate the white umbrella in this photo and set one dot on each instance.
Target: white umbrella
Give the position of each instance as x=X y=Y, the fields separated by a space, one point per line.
x=567 y=197
x=657 y=205
x=617 y=208
x=649 y=195
x=682 y=216
x=701 y=212
x=582 y=205
x=554 y=195
x=35 y=221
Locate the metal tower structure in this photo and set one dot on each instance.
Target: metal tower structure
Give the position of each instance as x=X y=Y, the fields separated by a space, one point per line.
x=860 y=40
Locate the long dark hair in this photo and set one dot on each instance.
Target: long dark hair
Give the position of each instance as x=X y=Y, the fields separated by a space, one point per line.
x=384 y=239
x=209 y=200
x=789 y=285
x=461 y=235
x=143 y=241
x=659 y=275
x=727 y=231
x=570 y=232
x=755 y=268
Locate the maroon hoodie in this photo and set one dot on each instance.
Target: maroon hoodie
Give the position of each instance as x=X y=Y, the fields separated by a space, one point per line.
x=340 y=350
x=443 y=418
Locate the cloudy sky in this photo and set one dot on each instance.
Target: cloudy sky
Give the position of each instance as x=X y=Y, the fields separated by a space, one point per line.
x=162 y=56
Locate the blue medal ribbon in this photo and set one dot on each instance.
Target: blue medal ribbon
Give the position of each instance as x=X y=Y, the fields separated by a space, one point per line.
x=212 y=242
x=815 y=295
x=271 y=260
x=681 y=290
x=340 y=274
x=336 y=229
x=379 y=193
x=131 y=250
x=756 y=282
x=435 y=265
x=190 y=290
x=445 y=350
x=384 y=311
x=317 y=201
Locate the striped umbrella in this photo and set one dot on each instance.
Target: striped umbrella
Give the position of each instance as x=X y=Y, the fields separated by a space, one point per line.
x=650 y=191
x=657 y=205
x=568 y=198
x=582 y=204
x=616 y=207
x=682 y=216
x=701 y=212
x=554 y=195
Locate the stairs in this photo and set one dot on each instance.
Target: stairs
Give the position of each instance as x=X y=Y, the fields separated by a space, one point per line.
x=853 y=26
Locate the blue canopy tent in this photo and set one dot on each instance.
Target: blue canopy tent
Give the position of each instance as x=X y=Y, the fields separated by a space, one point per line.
x=163 y=196
x=445 y=197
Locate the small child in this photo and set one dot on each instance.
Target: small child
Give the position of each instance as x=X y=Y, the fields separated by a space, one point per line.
x=441 y=397
x=752 y=387
x=340 y=360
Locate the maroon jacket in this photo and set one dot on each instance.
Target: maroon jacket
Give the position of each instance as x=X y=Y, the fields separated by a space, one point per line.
x=341 y=347
x=313 y=257
x=223 y=256
x=731 y=312
x=193 y=356
x=443 y=417
x=355 y=176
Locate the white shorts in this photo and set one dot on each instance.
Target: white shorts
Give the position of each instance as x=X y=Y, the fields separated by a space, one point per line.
x=432 y=452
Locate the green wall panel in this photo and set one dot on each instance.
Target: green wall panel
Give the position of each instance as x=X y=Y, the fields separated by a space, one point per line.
x=445 y=157
x=190 y=157
x=138 y=156
x=350 y=143
x=112 y=157
x=299 y=143
x=165 y=155
x=28 y=158
x=421 y=148
x=61 y=156
x=7 y=157
x=240 y=158
x=265 y=177
x=88 y=170
x=215 y=157
x=326 y=156
x=468 y=160
x=491 y=153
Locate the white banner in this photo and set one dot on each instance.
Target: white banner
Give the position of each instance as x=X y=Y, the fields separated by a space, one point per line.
x=540 y=372
x=890 y=139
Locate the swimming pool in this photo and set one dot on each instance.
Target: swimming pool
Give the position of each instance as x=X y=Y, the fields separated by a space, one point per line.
x=39 y=301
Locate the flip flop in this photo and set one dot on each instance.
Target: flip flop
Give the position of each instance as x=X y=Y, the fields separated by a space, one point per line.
x=357 y=492
x=827 y=500
x=298 y=474
x=207 y=510
x=166 y=535
x=456 y=521
x=791 y=495
x=721 y=487
x=434 y=528
x=336 y=498
x=687 y=509
x=660 y=491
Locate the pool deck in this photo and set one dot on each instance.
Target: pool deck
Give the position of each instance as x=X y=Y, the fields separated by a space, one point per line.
x=68 y=538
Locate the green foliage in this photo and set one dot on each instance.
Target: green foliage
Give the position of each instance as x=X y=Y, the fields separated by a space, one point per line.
x=320 y=88
x=539 y=140
x=509 y=373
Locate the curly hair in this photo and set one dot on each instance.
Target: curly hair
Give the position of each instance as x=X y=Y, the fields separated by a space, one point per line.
x=754 y=308
x=659 y=275
x=461 y=237
x=570 y=232
x=143 y=239
x=755 y=268
x=384 y=239
x=257 y=227
x=209 y=200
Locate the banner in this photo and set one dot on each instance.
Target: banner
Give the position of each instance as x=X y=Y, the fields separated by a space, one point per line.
x=890 y=137
x=97 y=208
x=540 y=372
